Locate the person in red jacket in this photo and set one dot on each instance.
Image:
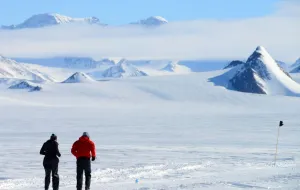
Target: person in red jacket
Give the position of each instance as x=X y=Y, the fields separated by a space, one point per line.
x=84 y=149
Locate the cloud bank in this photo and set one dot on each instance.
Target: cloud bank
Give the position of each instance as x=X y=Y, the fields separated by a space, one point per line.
x=199 y=39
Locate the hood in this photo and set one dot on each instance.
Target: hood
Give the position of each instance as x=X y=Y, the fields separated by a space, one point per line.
x=84 y=138
x=52 y=141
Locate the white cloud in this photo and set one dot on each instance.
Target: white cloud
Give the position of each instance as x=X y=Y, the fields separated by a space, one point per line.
x=289 y=8
x=202 y=39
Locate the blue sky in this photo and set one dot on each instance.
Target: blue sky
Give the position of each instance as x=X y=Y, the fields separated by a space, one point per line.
x=124 y=11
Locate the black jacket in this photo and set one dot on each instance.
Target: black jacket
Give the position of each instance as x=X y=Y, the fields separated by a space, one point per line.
x=50 y=149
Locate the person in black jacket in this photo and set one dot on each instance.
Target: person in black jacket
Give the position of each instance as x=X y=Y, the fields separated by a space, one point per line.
x=50 y=150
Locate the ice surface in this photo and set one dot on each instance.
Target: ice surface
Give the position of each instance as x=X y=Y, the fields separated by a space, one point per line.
x=169 y=132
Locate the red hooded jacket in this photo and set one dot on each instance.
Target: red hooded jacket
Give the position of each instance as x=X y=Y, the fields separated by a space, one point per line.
x=84 y=147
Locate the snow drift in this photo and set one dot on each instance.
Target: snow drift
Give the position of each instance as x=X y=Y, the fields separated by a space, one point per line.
x=79 y=77
x=261 y=74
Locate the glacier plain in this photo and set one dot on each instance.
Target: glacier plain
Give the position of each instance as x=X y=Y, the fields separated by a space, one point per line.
x=167 y=132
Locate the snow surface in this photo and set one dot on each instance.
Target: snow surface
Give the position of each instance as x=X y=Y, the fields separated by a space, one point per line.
x=169 y=132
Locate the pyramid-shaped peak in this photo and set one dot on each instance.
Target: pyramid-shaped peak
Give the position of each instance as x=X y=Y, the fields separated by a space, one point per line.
x=79 y=77
x=122 y=69
x=260 y=74
x=260 y=48
x=262 y=51
x=172 y=66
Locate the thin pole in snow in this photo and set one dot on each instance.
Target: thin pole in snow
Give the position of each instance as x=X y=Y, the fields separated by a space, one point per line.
x=280 y=125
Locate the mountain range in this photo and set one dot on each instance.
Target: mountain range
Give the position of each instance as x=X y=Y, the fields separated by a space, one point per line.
x=260 y=73
x=52 y=19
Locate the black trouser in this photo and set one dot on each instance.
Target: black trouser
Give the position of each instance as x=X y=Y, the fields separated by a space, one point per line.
x=51 y=166
x=83 y=164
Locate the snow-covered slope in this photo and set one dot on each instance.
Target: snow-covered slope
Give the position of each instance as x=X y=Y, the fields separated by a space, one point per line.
x=12 y=69
x=79 y=77
x=174 y=67
x=260 y=74
x=295 y=68
x=47 y=19
x=121 y=70
x=152 y=21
